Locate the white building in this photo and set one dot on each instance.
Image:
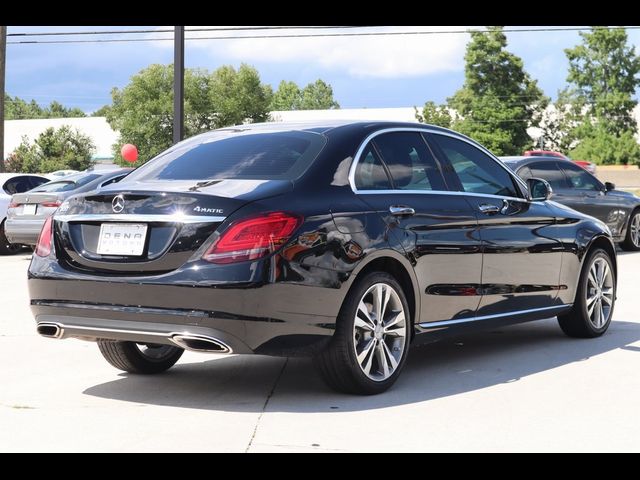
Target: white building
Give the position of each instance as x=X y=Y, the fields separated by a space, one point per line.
x=96 y=128
x=104 y=137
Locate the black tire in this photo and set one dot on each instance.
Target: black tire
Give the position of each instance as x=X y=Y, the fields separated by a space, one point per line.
x=131 y=357
x=628 y=244
x=338 y=364
x=578 y=322
x=7 y=248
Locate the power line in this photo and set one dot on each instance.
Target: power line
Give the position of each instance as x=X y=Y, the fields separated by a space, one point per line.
x=170 y=30
x=308 y=35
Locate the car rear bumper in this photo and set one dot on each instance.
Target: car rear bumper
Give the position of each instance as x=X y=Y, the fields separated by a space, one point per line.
x=271 y=318
x=23 y=231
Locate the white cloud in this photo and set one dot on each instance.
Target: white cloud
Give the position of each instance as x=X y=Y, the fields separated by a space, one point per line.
x=390 y=56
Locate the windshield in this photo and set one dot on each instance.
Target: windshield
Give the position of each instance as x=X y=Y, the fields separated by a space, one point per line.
x=69 y=183
x=226 y=155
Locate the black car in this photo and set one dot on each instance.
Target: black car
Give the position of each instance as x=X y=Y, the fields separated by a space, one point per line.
x=575 y=187
x=345 y=241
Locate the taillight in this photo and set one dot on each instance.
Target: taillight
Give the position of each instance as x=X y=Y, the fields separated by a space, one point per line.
x=13 y=205
x=55 y=204
x=43 y=247
x=253 y=238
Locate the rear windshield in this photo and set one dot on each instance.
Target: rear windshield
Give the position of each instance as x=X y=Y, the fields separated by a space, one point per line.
x=68 y=184
x=258 y=156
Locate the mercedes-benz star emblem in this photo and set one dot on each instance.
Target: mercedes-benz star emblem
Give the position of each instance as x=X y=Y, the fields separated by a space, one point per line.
x=117 y=204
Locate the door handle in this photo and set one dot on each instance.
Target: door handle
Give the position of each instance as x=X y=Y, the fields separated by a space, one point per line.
x=401 y=210
x=488 y=209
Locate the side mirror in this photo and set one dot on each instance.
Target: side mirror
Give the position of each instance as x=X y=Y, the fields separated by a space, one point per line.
x=539 y=190
x=608 y=186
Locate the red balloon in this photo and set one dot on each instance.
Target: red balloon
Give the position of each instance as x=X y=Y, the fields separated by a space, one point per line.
x=129 y=152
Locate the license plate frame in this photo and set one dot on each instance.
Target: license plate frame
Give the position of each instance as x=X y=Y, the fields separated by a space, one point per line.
x=123 y=239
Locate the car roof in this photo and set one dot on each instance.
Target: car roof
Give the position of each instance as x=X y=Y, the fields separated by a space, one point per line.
x=520 y=160
x=322 y=126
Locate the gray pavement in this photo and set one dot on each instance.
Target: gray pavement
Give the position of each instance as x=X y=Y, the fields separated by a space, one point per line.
x=521 y=388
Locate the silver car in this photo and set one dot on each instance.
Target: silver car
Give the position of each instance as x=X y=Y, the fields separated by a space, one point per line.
x=11 y=183
x=28 y=211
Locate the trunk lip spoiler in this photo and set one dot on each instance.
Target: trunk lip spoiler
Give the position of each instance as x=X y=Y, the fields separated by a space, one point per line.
x=136 y=217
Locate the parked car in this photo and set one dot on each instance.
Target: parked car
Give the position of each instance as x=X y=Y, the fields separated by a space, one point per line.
x=28 y=211
x=11 y=183
x=578 y=189
x=588 y=166
x=345 y=241
x=58 y=174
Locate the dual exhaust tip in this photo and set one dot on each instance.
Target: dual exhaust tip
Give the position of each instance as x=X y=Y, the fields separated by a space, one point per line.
x=196 y=343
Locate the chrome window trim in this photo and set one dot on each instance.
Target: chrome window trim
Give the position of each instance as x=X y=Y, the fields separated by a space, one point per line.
x=125 y=217
x=445 y=323
x=365 y=142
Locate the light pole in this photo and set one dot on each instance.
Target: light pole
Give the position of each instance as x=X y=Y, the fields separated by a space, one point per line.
x=178 y=84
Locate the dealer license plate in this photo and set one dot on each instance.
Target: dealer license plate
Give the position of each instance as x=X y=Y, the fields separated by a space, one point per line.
x=122 y=239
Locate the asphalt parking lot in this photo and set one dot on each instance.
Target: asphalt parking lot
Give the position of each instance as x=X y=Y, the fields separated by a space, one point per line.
x=526 y=387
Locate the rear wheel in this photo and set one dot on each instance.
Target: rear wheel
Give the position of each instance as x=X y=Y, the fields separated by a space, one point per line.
x=631 y=241
x=593 y=307
x=138 y=357
x=7 y=248
x=371 y=341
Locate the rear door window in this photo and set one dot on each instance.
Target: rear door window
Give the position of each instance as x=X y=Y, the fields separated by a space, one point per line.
x=409 y=161
x=233 y=155
x=551 y=172
x=370 y=173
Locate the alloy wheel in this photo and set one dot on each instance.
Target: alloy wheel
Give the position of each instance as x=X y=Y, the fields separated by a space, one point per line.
x=599 y=293
x=380 y=332
x=635 y=230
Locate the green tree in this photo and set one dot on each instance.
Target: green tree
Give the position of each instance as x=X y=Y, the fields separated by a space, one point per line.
x=286 y=97
x=434 y=115
x=102 y=111
x=142 y=111
x=603 y=75
x=64 y=148
x=238 y=96
x=18 y=109
x=498 y=100
x=317 y=95
x=558 y=124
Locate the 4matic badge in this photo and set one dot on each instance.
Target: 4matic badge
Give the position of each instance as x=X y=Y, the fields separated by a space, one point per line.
x=208 y=210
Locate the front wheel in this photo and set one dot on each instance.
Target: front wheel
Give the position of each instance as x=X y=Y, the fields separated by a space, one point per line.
x=595 y=298
x=139 y=358
x=631 y=241
x=371 y=342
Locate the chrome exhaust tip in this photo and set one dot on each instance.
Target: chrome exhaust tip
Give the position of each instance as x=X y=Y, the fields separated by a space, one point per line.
x=200 y=343
x=50 y=330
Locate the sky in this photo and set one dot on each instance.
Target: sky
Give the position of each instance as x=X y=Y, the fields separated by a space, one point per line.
x=365 y=72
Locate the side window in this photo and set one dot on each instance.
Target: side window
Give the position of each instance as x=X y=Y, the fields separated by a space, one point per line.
x=17 y=185
x=477 y=172
x=410 y=163
x=370 y=173
x=579 y=178
x=551 y=172
x=525 y=173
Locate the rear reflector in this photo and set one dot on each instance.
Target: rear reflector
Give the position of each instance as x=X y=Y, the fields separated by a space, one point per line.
x=253 y=238
x=43 y=247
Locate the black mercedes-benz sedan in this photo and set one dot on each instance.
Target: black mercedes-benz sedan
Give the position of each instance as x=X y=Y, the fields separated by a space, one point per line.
x=344 y=241
x=575 y=187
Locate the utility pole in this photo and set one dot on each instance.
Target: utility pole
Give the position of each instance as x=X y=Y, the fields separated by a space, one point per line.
x=3 y=54
x=178 y=84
